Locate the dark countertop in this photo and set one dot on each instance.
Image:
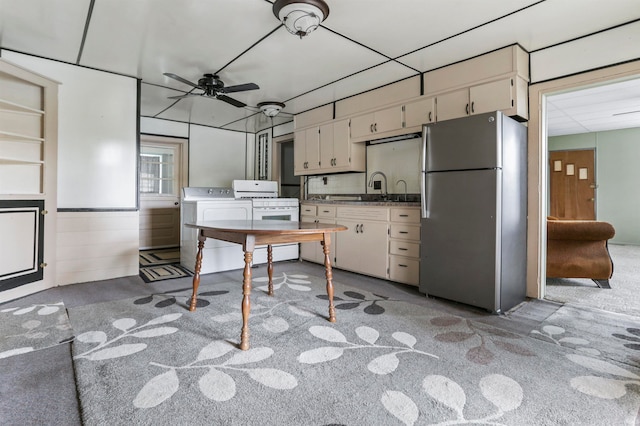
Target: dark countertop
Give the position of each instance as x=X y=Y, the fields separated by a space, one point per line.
x=364 y=203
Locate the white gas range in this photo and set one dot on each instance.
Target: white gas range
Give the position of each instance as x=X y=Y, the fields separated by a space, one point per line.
x=267 y=206
x=247 y=199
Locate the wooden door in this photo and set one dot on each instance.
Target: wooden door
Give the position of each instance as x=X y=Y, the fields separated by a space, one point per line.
x=162 y=176
x=572 y=184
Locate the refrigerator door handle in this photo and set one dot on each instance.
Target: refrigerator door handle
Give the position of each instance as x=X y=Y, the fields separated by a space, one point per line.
x=423 y=159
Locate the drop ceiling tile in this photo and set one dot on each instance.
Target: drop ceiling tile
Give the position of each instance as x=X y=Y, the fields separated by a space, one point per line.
x=395 y=28
x=544 y=24
x=188 y=38
x=51 y=29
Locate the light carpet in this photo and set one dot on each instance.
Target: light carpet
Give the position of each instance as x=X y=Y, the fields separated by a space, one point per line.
x=593 y=331
x=623 y=297
x=28 y=328
x=384 y=362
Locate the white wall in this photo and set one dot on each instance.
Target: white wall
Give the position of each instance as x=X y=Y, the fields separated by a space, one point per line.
x=217 y=157
x=157 y=126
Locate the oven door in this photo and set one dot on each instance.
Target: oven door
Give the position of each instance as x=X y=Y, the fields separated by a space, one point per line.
x=275 y=213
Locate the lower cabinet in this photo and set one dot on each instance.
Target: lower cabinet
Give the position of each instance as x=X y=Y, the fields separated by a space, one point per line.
x=364 y=247
x=382 y=242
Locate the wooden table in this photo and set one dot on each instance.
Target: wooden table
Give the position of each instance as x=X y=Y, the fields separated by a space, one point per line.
x=252 y=233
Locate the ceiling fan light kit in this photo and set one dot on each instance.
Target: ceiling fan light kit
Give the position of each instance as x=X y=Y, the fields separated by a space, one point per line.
x=270 y=109
x=300 y=17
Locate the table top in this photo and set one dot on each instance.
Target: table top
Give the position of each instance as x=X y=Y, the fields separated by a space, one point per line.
x=262 y=227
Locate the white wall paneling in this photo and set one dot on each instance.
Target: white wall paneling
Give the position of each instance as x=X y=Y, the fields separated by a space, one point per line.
x=96 y=246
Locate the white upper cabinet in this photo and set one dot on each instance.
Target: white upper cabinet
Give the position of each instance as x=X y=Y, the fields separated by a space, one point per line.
x=420 y=112
x=377 y=124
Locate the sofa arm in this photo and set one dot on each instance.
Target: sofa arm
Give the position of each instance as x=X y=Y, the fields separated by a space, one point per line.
x=588 y=230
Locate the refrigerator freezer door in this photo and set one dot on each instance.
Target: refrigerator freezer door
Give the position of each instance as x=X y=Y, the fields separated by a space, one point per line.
x=460 y=260
x=463 y=144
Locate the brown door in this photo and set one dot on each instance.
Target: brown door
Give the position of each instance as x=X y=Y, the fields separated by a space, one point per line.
x=572 y=184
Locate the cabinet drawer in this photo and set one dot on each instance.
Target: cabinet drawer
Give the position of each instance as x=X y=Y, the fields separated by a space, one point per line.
x=363 y=213
x=405 y=232
x=404 y=248
x=404 y=270
x=405 y=215
x=327 y=211
x=308 y=210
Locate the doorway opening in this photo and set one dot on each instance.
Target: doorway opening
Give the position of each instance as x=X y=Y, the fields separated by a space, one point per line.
x=589 y=175
x=289 y=183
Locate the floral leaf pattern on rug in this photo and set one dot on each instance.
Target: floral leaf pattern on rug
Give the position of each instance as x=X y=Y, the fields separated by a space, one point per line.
x=357 y=299
x=107 y=349
x=557 y=335
x=296 y=282
x=381 y=365
x=480 y=354
x=602 y=387
x=503 y=392
x=168 y=298
x=33 y=326
x=216 y=384
x=635 y=338
x=266 y=310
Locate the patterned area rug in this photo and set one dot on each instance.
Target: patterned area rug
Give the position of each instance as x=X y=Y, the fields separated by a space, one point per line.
x=28 y=328
x=158 y=265
x=384 y=362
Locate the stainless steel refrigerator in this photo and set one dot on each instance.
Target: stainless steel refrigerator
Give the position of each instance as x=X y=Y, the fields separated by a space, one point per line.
x=474 y=210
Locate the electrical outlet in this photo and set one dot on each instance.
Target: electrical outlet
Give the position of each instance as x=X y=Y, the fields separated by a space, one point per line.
x=377 y=184
x=324 y=180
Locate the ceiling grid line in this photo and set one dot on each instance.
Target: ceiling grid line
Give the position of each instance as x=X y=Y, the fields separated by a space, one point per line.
x=86 y=30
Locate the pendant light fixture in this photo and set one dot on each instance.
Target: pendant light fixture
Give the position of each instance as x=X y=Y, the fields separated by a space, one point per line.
x=270 y=109
x=302 y=16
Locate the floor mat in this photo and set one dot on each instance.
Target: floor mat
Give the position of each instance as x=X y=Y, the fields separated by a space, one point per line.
x=163 y=272
x=159 y=257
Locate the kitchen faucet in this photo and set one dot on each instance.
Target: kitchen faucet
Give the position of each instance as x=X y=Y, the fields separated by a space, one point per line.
x=405 y=187
x=384 y=194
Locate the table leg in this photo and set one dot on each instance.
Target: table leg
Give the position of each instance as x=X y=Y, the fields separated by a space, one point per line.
x=196 y=275
x=326 y=244
x=246 y=302
x=270 y=268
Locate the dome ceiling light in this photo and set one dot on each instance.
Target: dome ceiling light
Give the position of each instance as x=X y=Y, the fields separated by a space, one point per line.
x=300 y=17
x=270 y=109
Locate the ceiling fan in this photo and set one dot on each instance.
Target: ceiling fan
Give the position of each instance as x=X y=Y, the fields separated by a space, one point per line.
x=213 y=87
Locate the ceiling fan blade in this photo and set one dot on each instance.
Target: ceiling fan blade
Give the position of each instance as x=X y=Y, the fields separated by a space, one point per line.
x=188 y=95
x=182 y=80
x=240 y=88
x=231 y=101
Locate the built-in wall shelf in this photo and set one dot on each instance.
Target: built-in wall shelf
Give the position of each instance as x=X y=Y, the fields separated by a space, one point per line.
x=6 y=105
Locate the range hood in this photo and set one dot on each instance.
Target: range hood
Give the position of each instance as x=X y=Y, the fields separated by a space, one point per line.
x=394 y=138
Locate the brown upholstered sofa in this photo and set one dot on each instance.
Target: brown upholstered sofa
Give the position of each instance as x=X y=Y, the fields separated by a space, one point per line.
x=578 y=249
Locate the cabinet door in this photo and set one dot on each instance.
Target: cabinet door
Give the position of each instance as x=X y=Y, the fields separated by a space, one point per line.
x=299 y=152
x=494 y=96
x=348 y=246
x=362 y=126
x=309 y=251
x=341 y=144
x=312 y=143
x=420 y=112
x=387 y=120
x=326 y=146
x=373 y=248
x=452 y=105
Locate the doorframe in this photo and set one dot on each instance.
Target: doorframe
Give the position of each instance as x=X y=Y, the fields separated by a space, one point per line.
x=537 y=154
